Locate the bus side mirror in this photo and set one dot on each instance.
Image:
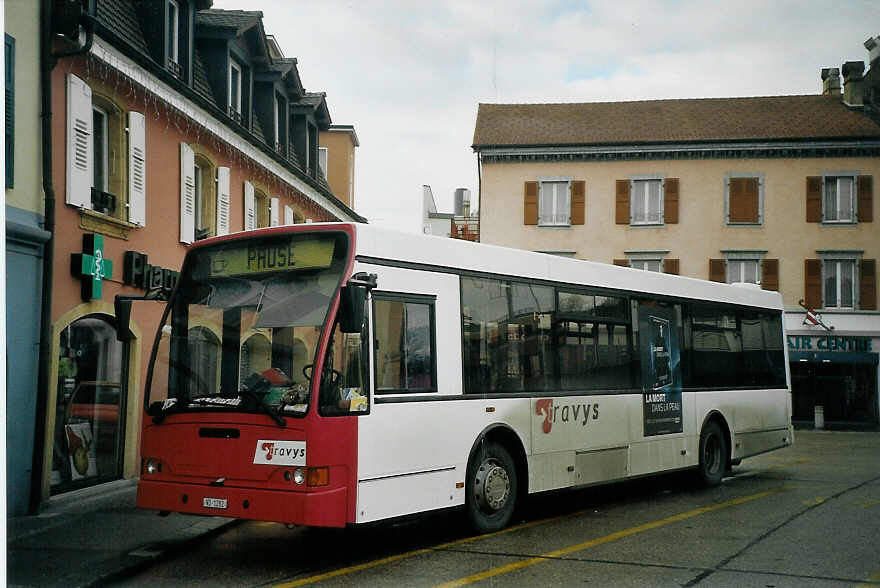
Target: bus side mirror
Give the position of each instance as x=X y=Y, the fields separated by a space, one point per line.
x=122 y=308
x=352 y=299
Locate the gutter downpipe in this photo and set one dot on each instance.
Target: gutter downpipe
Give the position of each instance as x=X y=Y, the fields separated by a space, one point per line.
x=48 y=61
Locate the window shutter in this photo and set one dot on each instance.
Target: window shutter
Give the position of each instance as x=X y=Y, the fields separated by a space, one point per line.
x=866 y=199
x=743 y=200
x=137 y=169
x=814 y=199
x=670 y=266
x=717 y=270
x=578 y=201
x=670 y=201
x=187 y=194
x=813 y=283
x=250 y=208
x=621 y=262
x=79 y=143
x=222 y=201
x=770 y=274
x=273 y=212
x=530 y=203
x=9 y=48
x=868 y=284
x=288 y=215
x=621 y=201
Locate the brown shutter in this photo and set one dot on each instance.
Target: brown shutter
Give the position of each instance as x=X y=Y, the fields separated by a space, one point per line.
x=866 y=199
x=813 y=283
x=743 y=200
x=670 y=201
x=621 y=208
x=621 y=262
x=770 y=274
x=670 y=266
x=868 y=285
x=578 y=201
x=717 y=270
x=530 y=204
x=814 y=199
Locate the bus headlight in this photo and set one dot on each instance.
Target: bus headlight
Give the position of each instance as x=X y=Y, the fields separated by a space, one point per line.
x=152 y=466
x=299 y=476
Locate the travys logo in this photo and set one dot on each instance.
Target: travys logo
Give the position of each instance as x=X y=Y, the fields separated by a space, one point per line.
x=276 y=452
x=568 y=413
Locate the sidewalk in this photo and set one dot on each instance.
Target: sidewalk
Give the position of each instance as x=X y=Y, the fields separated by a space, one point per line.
x=93 y=535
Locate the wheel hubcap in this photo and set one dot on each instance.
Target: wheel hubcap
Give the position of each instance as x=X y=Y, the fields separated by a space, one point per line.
x=492 y=486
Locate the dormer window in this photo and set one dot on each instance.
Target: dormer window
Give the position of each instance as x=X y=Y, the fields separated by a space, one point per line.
x=173 y=38
x=235 y=91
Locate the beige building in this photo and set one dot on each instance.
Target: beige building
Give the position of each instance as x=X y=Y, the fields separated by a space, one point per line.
x=776 y=191
x=336 y=158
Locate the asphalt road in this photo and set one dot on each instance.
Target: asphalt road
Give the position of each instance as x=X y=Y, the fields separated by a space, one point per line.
x=805 y=516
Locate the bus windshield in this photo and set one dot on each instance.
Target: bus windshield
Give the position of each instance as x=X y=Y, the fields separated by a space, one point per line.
x=242 y=329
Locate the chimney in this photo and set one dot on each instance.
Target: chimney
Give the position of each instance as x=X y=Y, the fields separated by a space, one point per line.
x=873 y=47
x=853 y=86
x=830 y=81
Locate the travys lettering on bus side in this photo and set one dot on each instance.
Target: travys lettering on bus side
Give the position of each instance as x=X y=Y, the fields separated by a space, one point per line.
x=566 y=413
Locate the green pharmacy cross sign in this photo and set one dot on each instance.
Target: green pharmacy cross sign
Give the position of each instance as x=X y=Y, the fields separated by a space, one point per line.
x=91 y=267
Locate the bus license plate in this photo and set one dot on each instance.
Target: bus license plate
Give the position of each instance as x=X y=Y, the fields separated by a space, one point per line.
x=214 y=502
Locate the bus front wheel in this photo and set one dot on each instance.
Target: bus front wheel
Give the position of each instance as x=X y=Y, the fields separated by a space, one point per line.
x=491 y=488
x=713 y=454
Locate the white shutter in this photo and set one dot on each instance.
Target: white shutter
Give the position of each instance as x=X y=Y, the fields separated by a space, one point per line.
x=222 y=200
x=137 y=169
x=273 y=212
x=250 y=210
x=288 y=215
x=187 y=194
x=80 y=150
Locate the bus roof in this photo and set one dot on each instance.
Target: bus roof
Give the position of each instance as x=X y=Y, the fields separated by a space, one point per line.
x=443 y=253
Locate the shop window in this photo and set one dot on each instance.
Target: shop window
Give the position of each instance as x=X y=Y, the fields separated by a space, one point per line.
x=90 y=405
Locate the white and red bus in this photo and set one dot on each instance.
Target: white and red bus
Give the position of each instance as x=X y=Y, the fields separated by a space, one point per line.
x=334 y=374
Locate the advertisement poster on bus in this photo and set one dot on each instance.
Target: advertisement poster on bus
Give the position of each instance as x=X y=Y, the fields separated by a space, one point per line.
x=661 y=369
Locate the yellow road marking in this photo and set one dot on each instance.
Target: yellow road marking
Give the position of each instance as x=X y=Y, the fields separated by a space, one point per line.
x=814 y=501
x=518 y=565
x=408 y=554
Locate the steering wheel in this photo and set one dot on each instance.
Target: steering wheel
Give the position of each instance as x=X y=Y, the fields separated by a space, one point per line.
x=335 y=375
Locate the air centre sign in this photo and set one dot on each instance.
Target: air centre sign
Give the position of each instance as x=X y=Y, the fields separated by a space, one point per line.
x=829 y=343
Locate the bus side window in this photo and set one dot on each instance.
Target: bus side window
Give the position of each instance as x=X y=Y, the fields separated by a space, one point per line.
x=344 y=382
x=405 y=344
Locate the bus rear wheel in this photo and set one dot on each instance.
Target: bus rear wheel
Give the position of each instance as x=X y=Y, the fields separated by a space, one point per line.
x=713 y=454
x=491 y=488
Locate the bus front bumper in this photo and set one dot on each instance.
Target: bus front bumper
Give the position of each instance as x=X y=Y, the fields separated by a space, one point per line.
x=321 y=508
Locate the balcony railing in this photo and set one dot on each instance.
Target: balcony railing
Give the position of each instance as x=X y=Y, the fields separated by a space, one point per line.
x=103 y=202
x=466 y=228
x=175 y=68
x=234 y=114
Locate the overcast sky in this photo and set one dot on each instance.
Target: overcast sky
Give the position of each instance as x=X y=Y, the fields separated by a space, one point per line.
x=409 y=75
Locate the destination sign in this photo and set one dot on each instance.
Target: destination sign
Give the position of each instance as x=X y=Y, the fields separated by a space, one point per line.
x=259 y=257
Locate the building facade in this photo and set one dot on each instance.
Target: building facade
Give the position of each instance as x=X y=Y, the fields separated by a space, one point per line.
x=25 y=240
x=336 y=158
x=776 y=191
x=175 y=122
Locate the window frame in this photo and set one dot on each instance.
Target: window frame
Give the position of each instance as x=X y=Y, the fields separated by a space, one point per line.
x=173 y=46
x=759 y=222
x=837 y=258
x=404 y=298
x=323 y=155
x=644 y=257
x=557 y=213
x=743 y=256
x=853 y=176
x=235 y=106
x=661 y=179
x=105 y=147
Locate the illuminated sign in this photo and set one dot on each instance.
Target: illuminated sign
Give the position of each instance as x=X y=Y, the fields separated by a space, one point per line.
x=91 y=267
x=259 y=257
